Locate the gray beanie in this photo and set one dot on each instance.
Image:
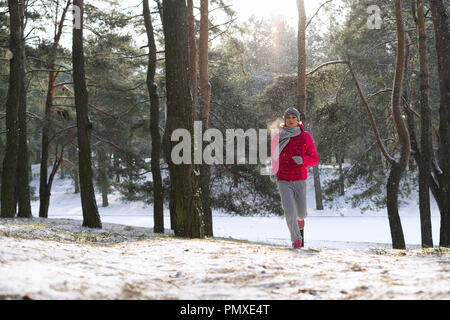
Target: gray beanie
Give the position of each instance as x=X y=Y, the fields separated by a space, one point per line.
x=292 y=111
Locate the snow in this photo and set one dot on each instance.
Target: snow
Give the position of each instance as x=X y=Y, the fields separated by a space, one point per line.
x=346 y=256
x=58 y=259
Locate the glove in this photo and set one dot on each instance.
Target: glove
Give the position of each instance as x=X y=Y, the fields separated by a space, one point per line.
x=298 y=159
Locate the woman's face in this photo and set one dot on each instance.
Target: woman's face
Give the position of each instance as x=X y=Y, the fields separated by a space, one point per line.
x=291 y=121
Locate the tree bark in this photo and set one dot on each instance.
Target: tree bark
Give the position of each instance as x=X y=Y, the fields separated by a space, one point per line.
x=187 y=203
x=442 y=41
x=317 y=188
x=426 y=153
x=301 y=75
x=192 y=57
x=103 y=181
x=8 y=202
x=165 y=146
x=398 y=167
x=317 y=184
x=340 y=159
x=23 y=181
x=91 y=217
x=76 y=182
x=158 y=196
x=205 y=100
x=392 y=188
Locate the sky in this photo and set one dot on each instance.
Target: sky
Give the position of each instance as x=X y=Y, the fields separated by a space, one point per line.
x=266 y=8
x=244 y=10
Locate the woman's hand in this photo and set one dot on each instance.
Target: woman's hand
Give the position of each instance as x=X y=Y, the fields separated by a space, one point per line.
x=298 y=159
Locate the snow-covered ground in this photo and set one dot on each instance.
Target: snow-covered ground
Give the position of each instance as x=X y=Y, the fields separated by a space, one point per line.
x=347 y=256
x=59 y=259
x=333 y=228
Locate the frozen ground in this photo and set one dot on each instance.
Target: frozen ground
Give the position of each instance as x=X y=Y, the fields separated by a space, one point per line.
x=347 y=256
x=58 y=259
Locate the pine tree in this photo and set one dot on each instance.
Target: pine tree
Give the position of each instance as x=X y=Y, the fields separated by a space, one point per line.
x=158 y=198
x=426 y=151
x=205 y=102
x=8 y=201
x=46 y=180
x=91 y=217
x=442 y=41
x=187 y=206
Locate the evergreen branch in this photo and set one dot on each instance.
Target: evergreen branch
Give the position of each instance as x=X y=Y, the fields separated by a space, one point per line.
x=383 y=149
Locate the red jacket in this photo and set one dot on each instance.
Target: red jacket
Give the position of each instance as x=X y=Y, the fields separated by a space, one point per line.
x=302 y=145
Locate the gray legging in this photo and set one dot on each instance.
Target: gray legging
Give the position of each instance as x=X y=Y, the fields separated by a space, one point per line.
x=293 y=199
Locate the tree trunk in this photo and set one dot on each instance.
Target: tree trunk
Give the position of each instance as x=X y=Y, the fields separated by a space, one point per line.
x=434 y=185
x=187 y=220
x=158 y=196
x=426 y=153
x=205 y=100
x=192 y=57
x=398 y=167
x=166 y=153
x=8 y=202
x=317 y=184
x=392 y=187
x=340 y=158
x=44 y=185
x=91 y=217
x=301 y=75
x=318 y=188
x=76 y=182
x=103 y=180
x=23 y=181
x=165 y=147
x=442 y=40
x=44 y=188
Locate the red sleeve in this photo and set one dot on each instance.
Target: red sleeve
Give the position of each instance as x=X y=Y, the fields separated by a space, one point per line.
x=310 y=158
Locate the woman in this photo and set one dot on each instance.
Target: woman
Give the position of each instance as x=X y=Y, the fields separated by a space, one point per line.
x=293 y=150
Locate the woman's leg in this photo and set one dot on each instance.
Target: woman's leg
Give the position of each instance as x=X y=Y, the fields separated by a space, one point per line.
x=300 y=199
x=287 y=191
x=300 y=205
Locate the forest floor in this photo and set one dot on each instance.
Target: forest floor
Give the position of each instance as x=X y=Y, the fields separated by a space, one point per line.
x=59 y=259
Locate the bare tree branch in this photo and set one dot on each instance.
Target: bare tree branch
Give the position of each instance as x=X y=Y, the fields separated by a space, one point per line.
x=309 y=21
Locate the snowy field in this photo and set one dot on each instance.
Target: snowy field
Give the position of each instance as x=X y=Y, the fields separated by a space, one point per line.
x=58 y=259
x=347 y=256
